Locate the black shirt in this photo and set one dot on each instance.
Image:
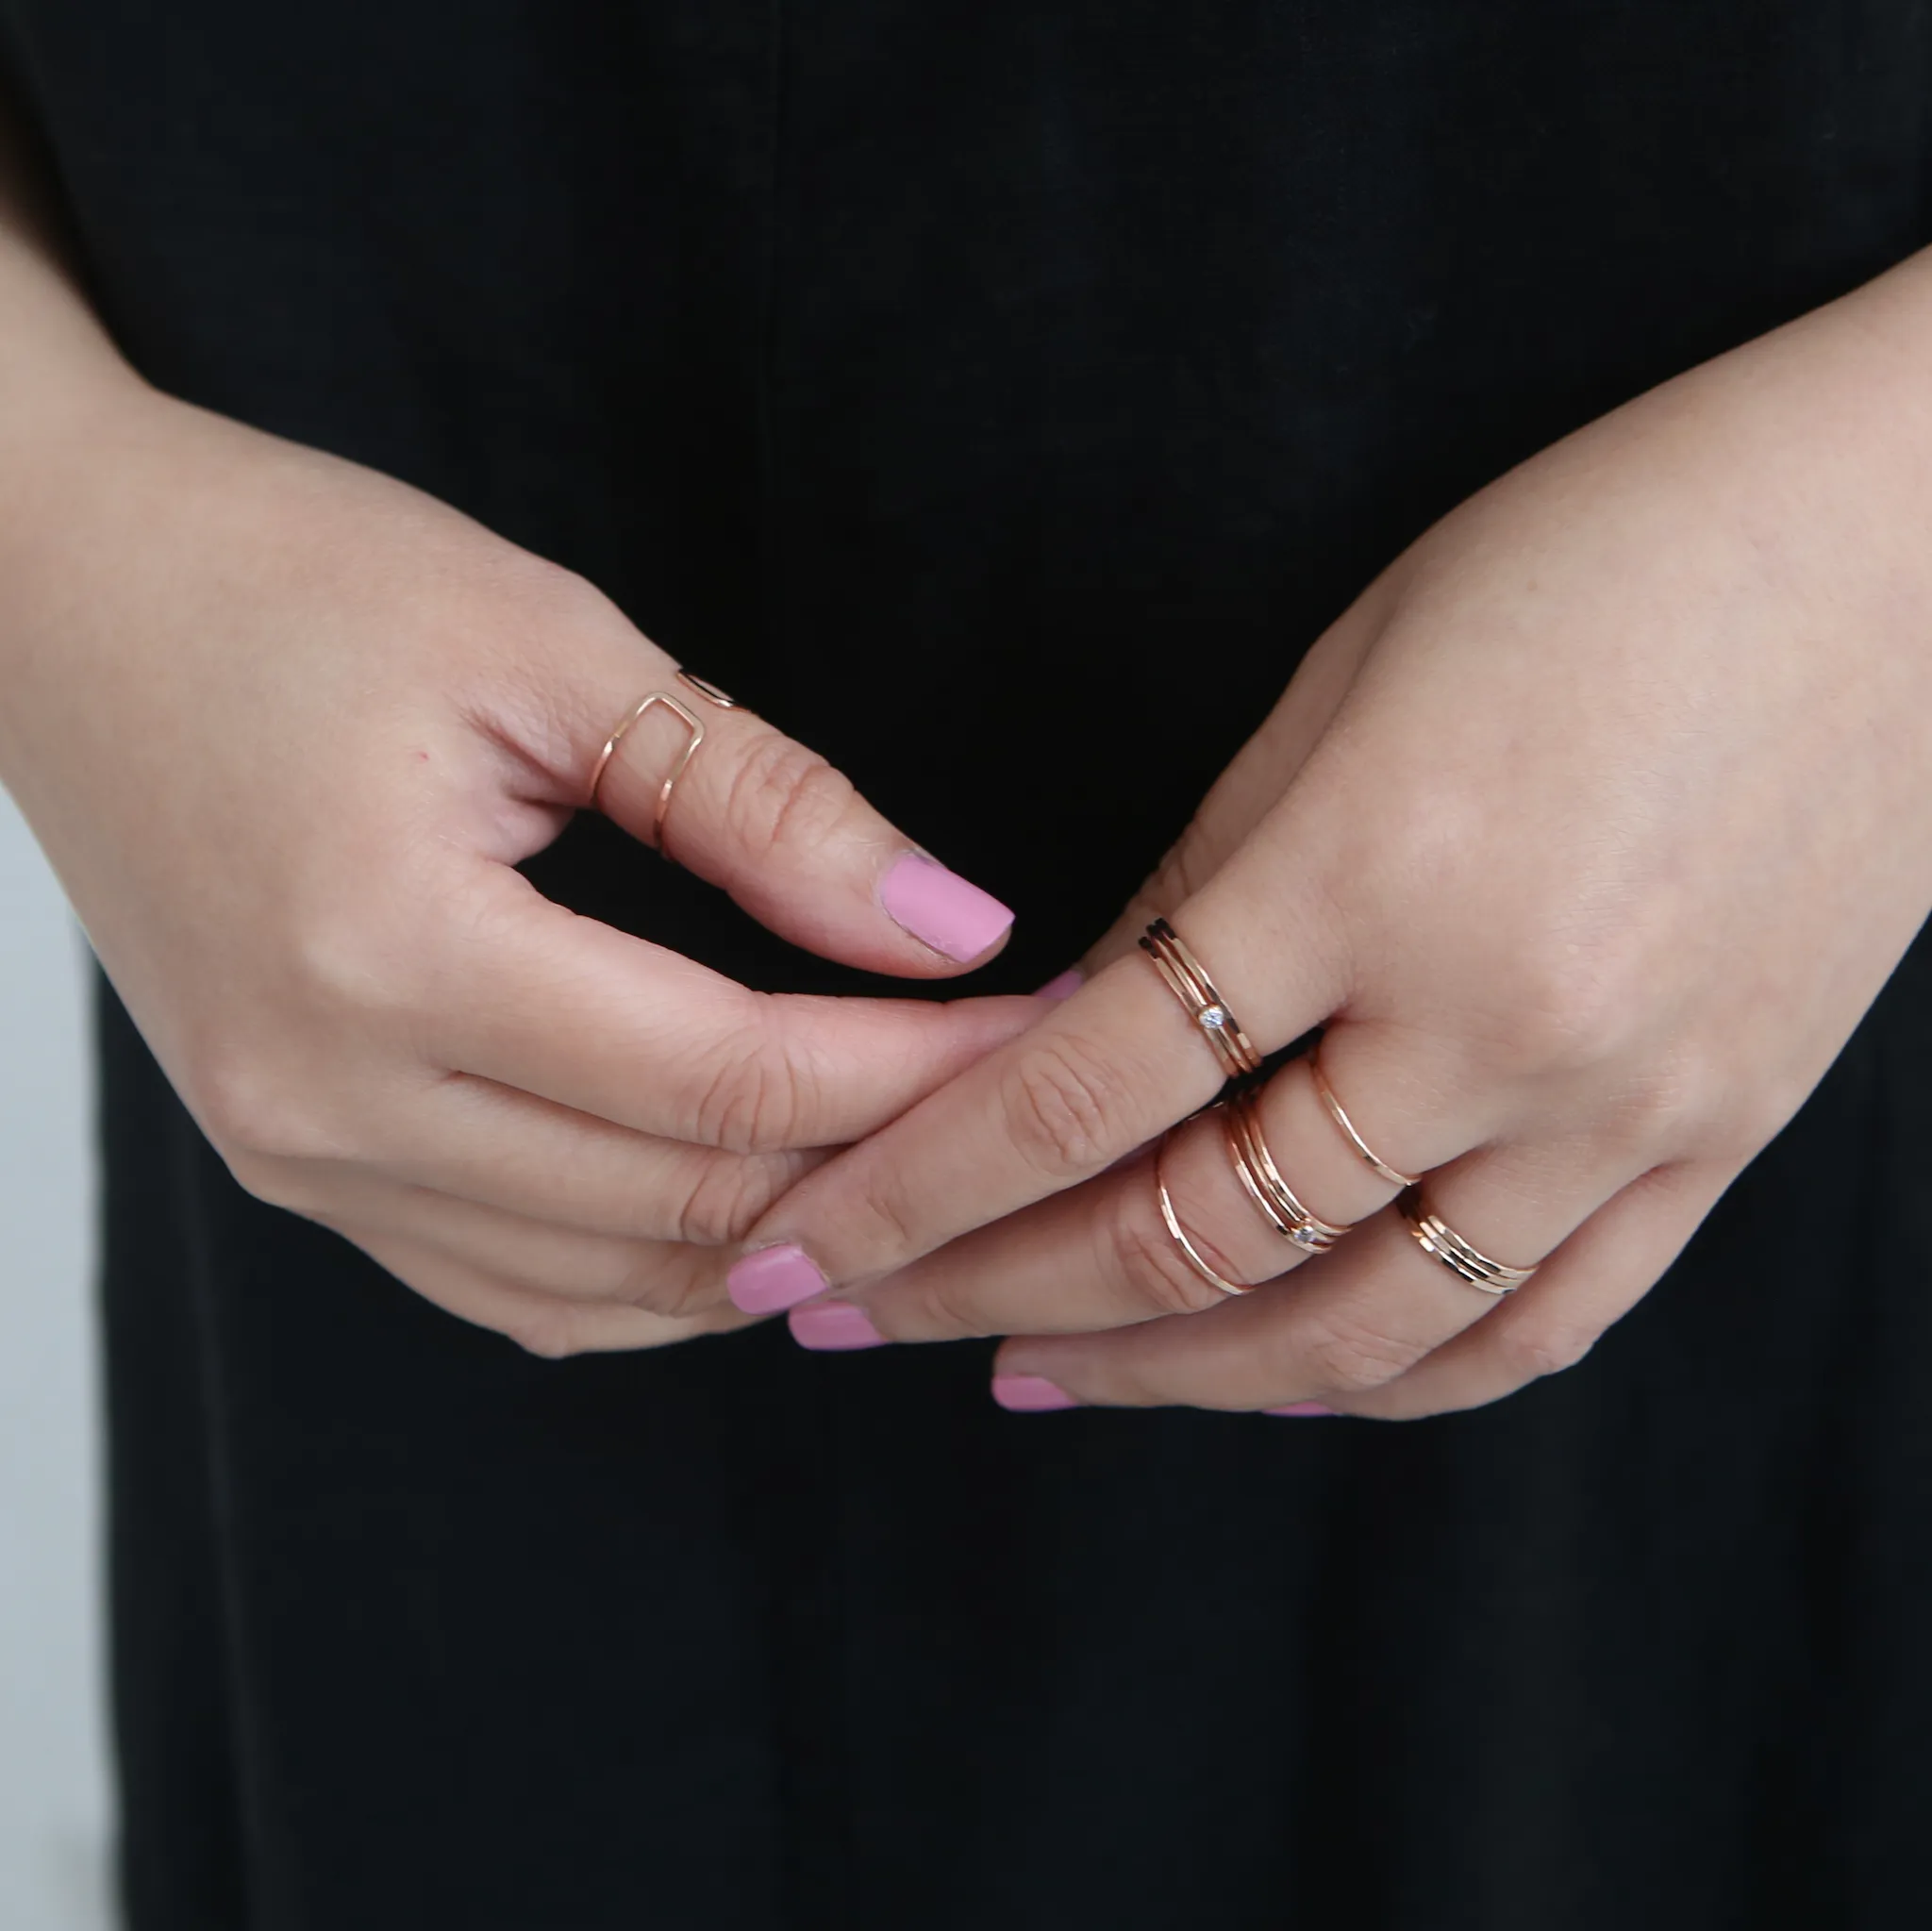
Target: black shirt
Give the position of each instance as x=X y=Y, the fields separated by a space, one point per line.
x=1057 y=372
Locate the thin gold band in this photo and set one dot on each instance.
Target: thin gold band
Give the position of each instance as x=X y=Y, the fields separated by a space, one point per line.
x=1394 y=1176
x=709 y=691
x=1437 y=1237
x=695 y=736
x=1180 y=1235
x=1254 y=1167
x=1187 y=978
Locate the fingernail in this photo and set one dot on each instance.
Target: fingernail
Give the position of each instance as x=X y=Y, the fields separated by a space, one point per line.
x=1300 y=1408
x=773 y=1278
x=1064 y=987
x=833 y=1327
x=1030 y=1394
x=941 y=910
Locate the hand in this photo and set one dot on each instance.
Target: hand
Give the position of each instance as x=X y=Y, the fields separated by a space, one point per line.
x=285 y=727
x=1589 y=833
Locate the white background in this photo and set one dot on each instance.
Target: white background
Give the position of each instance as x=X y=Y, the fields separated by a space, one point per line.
x=53 y=1828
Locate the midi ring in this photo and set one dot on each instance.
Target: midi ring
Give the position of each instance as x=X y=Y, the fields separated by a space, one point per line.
x=1254 y=1165
x=1186 y=980
x=1380 y=1167
x=695 y=731
x=1437 y=1237
x=1180 y=1235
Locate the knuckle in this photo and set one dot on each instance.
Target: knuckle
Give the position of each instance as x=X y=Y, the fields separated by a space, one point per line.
x=343 y=966
x=251 y=1110
x=1528 y=1350
x=880 y=1219
x=750 y=1098
x=1059 y=1102
x=1756 y=1111
x=1153 y=1268
x=945 y=1309
x=287 y=1184
x=727 y=1196
x=1355 y=1357
x=540 y=594
x=550 y=1330
x=1170 y=885
x=784 y=797
x=1180 y=875
x=1650 y=1116
x=657 y=1285
x=1571 y=1010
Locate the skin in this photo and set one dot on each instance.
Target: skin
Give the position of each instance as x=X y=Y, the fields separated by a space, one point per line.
x=1589 y=833
x=284 y=728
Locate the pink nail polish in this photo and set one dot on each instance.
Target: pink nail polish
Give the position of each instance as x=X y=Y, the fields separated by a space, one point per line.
x=1064 y=987
x=772 y=1279
x=833 y=1327
x=1300 y=1408
x=1030 y=1394
x=941 y=910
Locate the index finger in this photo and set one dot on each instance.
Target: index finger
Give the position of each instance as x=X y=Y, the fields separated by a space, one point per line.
x=1101 y=1074
x=586 y=1016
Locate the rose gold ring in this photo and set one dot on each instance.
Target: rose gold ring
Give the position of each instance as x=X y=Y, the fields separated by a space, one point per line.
x=695 y=731
x=1394 y=1176
x=1254 y=1165
x=1186 y=980
x=709 y=691
x=1436 y=1237
x=1180 y=1235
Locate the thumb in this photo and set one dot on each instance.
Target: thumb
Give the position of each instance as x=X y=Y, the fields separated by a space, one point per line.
x=732 y=799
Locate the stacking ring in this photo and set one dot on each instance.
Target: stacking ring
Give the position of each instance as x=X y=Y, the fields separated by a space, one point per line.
x=695 y=736
x=1240 y=1126
x=1186 y=980
x=1381 y=1167
x=709 y=691
x=1468 y=1263
x=1179 y=1235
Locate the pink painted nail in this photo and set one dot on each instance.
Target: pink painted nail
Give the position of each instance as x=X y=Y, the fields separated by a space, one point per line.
x=1300 y=1408
x=1030 y=1394
x=833 y=1327
x=941 y=910
x=1064 y=987
x=774 y=1278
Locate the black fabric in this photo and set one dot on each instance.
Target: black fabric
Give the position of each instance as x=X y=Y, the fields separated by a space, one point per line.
x=994 y=369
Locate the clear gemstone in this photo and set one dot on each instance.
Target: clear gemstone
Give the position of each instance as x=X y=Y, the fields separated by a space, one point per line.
x=1215 y=1016
x=1306 y=1236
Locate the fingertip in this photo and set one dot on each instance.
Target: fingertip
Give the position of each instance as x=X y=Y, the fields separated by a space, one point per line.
x=772 y=1279
x=836 y=1327
x=947 y=913
x=1031 y=1394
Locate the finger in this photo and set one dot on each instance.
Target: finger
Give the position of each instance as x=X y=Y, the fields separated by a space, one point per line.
x=481 y=1141
x=540 y=1324
x=1554 y=1320
x=778 y=827
x=1101 y=1074
x=540 y=1000
x=532 y=1256
x=1350 y=1323
x=1102 y=1255
x=1254 y=781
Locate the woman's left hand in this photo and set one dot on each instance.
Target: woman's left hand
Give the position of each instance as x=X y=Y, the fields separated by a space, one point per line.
x=1589 y=833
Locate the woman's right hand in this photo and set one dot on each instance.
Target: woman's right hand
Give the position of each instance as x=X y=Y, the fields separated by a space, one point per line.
x=285 y=727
